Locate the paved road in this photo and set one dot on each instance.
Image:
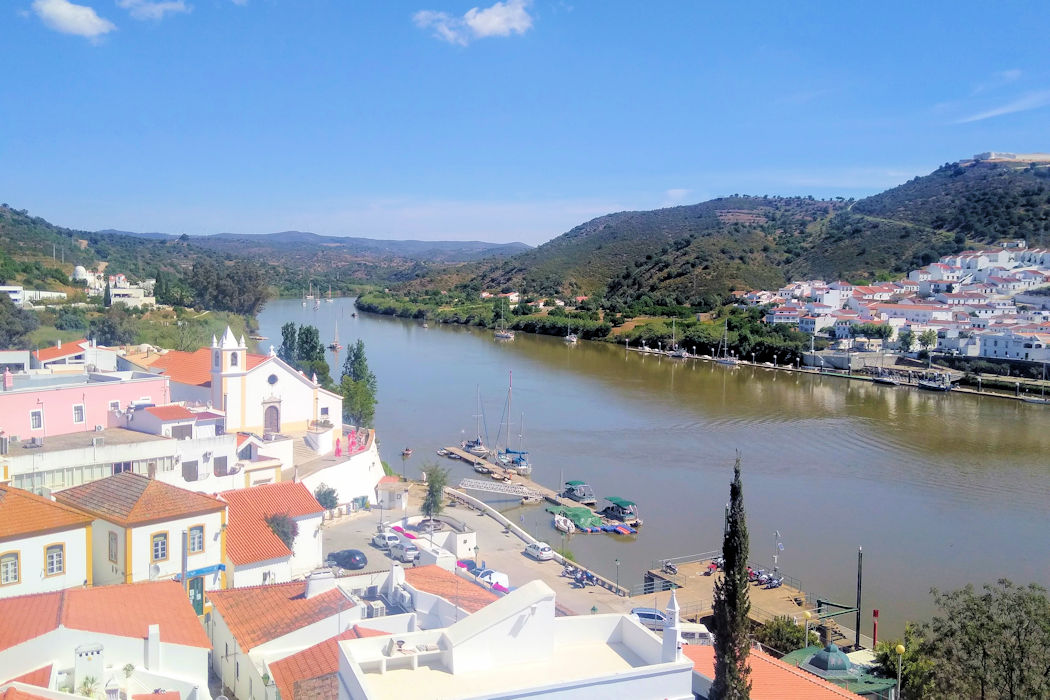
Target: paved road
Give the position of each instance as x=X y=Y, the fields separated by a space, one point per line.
x=499 y=549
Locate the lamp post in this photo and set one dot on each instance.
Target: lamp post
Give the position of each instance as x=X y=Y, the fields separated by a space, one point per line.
x=617 y=577
x=752 y=358
x=805 y=640
x=476 y=550
x=900 y=656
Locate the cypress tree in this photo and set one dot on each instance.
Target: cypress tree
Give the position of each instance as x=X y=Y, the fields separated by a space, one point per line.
x=731 y=603
x=107 y=299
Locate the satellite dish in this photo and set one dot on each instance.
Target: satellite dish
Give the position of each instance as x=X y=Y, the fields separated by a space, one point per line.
x=154 y=571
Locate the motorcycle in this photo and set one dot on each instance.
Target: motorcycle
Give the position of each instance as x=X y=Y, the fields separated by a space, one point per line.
x=670 y=568
x=775 y=582
x=569 y=571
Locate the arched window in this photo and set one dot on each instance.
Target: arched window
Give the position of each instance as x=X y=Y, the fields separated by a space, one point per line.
x=233 y=359
x=218 y=358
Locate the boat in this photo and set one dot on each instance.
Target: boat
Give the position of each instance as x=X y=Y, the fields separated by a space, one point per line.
x=502 y=333
x=885 y=380
x=442 y=452
x=257 y=337
x=480 y=468
x=310 y=294
x=621 y=509
x=353 y=315
x=676 y=351
x=531 y=499
x=723 y=357
x=941 y=383
x=515 y=460
x=304 y=297
x=328 y=298
x=335 y=344
x=564 y=524
x=407 y=452
x=477 y=446
x=505 y=478
x=571 y=337
x=579 y=491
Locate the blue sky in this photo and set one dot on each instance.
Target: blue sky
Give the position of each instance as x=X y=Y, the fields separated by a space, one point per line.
x=512 y=120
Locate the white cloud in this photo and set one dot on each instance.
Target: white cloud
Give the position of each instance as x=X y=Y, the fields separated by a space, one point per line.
x=998 y=80
x=153 y=9
x=1031 y=100
x=501 y=19
x=80 y=20
x=674 y=196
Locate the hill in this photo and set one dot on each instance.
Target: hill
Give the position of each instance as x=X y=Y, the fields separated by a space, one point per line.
x=695 y=255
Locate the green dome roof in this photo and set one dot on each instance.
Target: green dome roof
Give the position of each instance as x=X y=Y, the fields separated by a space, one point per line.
x=831 y=658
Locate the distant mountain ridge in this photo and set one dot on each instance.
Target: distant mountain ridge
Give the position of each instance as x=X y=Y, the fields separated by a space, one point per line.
x=441 y=251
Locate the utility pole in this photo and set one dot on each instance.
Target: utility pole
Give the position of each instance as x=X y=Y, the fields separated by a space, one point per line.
x=860 y=570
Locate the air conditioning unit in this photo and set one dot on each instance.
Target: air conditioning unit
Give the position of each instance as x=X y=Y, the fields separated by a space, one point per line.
x=99 y=428
x=154 y=571
x=5 y=444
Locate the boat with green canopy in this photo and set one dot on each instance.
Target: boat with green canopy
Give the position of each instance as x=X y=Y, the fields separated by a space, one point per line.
x=621 y=509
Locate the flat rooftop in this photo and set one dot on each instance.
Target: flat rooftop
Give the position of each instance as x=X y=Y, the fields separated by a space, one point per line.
x=569 y=662
x=81 y=440
x=38 y=382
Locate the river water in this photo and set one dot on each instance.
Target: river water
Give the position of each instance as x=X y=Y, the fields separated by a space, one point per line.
x=939 y=490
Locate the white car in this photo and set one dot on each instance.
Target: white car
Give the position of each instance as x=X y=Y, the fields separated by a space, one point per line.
x=540 y=551
x=404 y=552
x=493 y=577
x=384 y=540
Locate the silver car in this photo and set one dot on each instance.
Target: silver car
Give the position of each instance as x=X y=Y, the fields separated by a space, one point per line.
x=540 y=551
x=385 y=540
x=404 y=552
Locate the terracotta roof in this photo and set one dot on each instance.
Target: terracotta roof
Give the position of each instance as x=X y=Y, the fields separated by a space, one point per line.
x=132 y=499
x=24 y=513
x=194 y=368
x=167 y=695
x=433 y=579
x=248 y=538
x=18 y=694
x=41 y=677
x=172 y=412
x=313 y=663
x=771 y=679
x=55 y=352
x=161 y=603
x=258 y=614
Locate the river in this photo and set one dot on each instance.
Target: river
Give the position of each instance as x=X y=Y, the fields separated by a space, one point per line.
x=938 y=489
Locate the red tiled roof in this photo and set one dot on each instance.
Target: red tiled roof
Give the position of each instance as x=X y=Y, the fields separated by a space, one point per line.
x=167 y=695
x=258 y=614
x=161 y=603
x=16 y=694
x=55 y=352
x=194 y=368
x=41 y=677
x=248 y=538
x=313 y=662
x=771 y=679
x=172 y=412
x=132 y=499
x=433 y=579
x=23 y=513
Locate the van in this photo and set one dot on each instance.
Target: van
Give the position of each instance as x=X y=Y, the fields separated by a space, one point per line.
x=695 y=633
x=650 y=617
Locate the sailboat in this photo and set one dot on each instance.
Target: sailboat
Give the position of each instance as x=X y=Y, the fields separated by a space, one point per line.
x=304 y=297
x=571 y=337
x=310 y=294
x=502 y=333
x=328 y=299
x=675 y=350
x=477 y=445
x=723 y=357
x=517 y=460
x=335 y=345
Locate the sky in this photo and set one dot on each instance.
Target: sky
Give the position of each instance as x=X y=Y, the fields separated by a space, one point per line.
x=507 y=121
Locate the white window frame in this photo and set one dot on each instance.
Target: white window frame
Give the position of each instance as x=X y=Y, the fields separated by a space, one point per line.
x=36 y=412
x=83 y=413
x=114 y=405
x=190 y=538
x=59 y=566
x=4 y=581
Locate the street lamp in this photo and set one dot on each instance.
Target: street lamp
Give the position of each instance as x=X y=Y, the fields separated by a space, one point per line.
x=900 y=655
x=805 y=640
x=617 y=577
x=476 y=550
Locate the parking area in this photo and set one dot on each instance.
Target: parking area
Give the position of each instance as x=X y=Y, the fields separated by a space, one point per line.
x=497 y=549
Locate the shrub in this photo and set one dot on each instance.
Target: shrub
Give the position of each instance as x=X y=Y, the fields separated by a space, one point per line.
x=326 y=495
x=284 y=527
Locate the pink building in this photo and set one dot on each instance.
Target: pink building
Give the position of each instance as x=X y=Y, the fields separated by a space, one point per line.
x=37 y=406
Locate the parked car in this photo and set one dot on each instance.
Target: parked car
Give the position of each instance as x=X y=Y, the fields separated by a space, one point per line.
x=404 y=552
x=695 y=633
x=540 y=551
x=385 y=540
x=650 y=617
x=492 y=577
x=347 y=559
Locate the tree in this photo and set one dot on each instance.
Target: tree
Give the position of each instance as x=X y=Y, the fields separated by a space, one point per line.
x=783 y=635
x=992 y=644
x=116 y=327
x=927 y=339
x=731 y=603
x=358 y=387
x=15 y=324
x=284 y=527
x=302 y=349
x=916 y=666
x=107 y=297
x=436 y=479
x=286 y=352
x=327 y=496
x=906 y=340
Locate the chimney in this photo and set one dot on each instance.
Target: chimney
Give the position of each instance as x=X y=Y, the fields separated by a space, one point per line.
x=9 y=380
x=58 y=343
x=153 y=648
x=318 y=582
x=672 y=647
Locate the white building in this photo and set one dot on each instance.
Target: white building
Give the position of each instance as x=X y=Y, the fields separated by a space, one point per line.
x=1016 y=345
x=254 y=554
x=139 y=528
x=44 y=546
x=64 y=637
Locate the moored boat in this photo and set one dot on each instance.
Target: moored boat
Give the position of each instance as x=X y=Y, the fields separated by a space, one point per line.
x=885 y=380
x=407 y=452
x=621 y=509
x=581 y=492
x=564 y=524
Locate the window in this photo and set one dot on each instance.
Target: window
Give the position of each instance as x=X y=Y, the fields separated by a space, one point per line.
x=36 y=420
x=182 y=432
x=324 y=411
x=113 y=547
x=189 y=470
x=78 y=413
x=119 y=467
x=8 y=568
x=196 y=539
x=219 y=466
x=233 y=359
x=114 y=405
x=55 y=559
x=160 y=546
x=218 y=358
